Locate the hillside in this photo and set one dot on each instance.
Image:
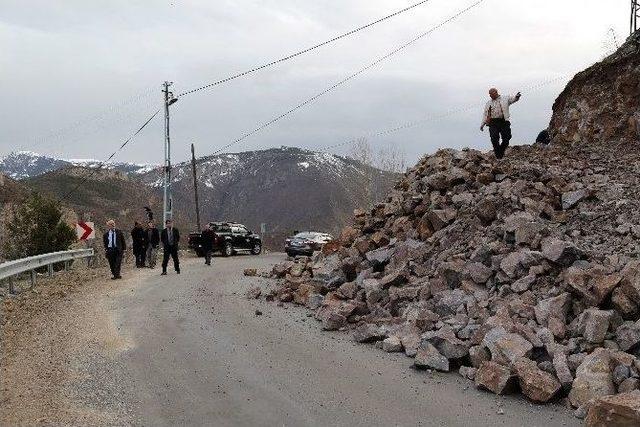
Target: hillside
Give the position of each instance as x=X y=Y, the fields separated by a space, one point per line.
x=26 y=164
x=102 y=195
x=285 y=188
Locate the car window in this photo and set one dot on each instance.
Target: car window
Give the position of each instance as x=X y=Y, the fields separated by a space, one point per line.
x=304 y=236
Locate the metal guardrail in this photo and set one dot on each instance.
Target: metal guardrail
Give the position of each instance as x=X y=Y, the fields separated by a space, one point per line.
x=10 y=269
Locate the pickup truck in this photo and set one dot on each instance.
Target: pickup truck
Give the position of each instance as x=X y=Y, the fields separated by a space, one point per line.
x=230 y=239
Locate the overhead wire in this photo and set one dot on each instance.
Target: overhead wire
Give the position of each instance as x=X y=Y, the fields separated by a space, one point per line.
x=347 y=79
x=304 y=51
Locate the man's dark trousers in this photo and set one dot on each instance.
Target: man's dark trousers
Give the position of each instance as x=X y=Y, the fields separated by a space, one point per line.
x=170 y=251
x=114 y=256
x=500 y=128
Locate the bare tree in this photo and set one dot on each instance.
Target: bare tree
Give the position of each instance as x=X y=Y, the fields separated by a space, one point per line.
x=391 y=159
x=361 y=151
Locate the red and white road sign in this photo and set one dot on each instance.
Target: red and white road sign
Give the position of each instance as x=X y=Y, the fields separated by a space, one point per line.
x=85 y=230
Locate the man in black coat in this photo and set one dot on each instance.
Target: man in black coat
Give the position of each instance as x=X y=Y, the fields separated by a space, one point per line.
x=153 y=242
x=139 y=238
x=170 y=238
x=208 y=237
x=114 y=247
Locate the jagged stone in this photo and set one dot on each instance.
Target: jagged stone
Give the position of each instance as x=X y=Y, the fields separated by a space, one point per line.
x=448 y=344
x=595 y=324
x=552 y=307
x=536 y=384
x=563 y=372
x=478 y=272
x=622 y=410
x=628 y=335
x=392 y=345
x=368 y=332
x=593 y=378
x=495 y=377
x=561 y=252
x=572 y=198
x=428 y=356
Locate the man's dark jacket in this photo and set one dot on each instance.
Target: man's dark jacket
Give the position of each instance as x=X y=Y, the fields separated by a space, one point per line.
x=154 y=241
x=139 y=238
x=121 y=245
x=208 y=237
x=164 y=236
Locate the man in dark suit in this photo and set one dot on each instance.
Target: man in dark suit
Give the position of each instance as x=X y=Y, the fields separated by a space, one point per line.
x=170 y=238
x=139 y=238
x=208 y=236
x=114 y=247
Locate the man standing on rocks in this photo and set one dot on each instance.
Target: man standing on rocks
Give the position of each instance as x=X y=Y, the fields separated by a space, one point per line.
x=114 y=247
x=170 y=238
x=496 y=116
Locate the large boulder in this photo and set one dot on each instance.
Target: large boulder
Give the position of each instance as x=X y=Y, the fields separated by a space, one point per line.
x=495 y=377
x=593 y=378
x=621 y=410
x=536 y=384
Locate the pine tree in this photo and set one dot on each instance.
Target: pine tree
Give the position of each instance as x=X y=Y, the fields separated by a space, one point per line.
x=36 y=228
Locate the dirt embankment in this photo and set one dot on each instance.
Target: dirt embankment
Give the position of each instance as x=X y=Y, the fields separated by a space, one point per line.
x=45 y=334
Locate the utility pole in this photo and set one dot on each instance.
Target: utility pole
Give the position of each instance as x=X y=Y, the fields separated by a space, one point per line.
x=168 y=200
x=635 y=16
x=195 y=185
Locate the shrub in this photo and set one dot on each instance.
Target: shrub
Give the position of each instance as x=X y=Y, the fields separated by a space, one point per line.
x=36 y=228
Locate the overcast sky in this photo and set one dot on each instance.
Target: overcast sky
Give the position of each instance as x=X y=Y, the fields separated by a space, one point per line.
x=78 y=76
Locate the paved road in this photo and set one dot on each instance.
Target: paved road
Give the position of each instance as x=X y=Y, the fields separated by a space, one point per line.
x=197 y=354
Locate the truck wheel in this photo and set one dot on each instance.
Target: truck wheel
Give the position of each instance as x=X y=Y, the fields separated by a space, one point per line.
x=256 y=249
x=227 y=250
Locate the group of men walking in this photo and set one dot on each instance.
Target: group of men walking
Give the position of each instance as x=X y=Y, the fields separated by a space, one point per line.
x=146 y=242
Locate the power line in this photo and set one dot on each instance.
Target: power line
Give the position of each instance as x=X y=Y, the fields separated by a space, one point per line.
x=302 y=52
x=102 y=164
x=352 y=76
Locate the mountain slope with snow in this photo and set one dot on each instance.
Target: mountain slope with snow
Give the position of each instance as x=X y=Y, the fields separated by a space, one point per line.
x=26 y=164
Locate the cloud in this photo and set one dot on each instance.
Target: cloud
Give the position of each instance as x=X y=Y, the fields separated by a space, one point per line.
x=71 y=61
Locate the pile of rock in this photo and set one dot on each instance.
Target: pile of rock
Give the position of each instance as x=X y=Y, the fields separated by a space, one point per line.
x=520 y=273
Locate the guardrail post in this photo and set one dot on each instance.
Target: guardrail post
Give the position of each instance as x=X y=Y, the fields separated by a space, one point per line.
x=66 y=266
x=50 y=270
x=11 y=288
x=33 y=278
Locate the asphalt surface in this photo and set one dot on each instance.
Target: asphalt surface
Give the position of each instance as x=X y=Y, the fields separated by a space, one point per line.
x=193 y=351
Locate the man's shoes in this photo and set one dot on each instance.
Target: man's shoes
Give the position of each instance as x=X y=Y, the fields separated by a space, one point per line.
x=164 y=273
x=114 y=278
x=118 y=277
x=178 y=271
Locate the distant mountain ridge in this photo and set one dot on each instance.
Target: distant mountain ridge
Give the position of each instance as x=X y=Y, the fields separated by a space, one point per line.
x=26 y=164
x=284 y=188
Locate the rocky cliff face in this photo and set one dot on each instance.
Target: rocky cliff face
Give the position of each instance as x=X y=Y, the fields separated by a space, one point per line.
x=602 y=103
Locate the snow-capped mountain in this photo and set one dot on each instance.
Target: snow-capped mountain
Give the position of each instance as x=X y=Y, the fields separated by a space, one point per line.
x=285 y=188
x=26 y=164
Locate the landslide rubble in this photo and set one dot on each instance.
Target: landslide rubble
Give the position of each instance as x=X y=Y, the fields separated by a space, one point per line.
x=521 y=274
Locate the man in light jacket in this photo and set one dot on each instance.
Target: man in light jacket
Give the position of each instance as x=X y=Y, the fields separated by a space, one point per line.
x=496 y=116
